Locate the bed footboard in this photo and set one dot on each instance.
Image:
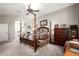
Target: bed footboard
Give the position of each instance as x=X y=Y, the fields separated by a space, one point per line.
x=27 y=41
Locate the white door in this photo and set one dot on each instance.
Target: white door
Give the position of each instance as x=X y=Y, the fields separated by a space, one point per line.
x=17 y=29
x=3 y=32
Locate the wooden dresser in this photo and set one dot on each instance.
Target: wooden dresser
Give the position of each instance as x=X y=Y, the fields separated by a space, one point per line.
x=60 y=36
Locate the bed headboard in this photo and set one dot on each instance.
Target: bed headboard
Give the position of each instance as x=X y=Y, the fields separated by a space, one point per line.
x=43 y=33
x=43 y=29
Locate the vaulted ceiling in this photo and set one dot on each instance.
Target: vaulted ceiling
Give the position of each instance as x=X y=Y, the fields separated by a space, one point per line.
x=19 y=8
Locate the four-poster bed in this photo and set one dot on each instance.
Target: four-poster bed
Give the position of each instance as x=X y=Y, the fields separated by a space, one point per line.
x=40 y=36
x=39 y=39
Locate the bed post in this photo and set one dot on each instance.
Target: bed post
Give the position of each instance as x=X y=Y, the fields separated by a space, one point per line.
x=35 y=40
x=20 y=31
x=50 y=32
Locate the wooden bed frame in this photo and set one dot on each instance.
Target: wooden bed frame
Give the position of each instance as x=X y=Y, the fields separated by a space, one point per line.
x=34 y=43
x=27 y=41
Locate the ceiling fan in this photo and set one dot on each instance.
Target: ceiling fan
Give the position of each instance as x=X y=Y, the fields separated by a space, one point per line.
x=30 y=10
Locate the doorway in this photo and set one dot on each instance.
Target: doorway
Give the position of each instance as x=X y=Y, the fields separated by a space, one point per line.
x=3 y=32
x=17 y=29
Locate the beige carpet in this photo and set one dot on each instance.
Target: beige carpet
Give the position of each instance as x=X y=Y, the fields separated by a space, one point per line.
x=14 y=48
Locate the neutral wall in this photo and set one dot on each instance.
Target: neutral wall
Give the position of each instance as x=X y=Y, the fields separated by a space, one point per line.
x=27 y=22
x=67 y=16
x=10 y=20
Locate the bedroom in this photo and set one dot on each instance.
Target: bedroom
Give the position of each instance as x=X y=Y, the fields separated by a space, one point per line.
x=13 y=18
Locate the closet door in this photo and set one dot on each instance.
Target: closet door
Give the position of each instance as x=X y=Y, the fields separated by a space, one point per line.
x=3 y=32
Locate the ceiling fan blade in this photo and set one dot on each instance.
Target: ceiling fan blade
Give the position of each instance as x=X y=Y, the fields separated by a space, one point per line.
x=27 y=13
x=35 y=10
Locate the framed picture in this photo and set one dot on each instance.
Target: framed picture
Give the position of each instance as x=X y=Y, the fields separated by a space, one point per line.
x=43 y=22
